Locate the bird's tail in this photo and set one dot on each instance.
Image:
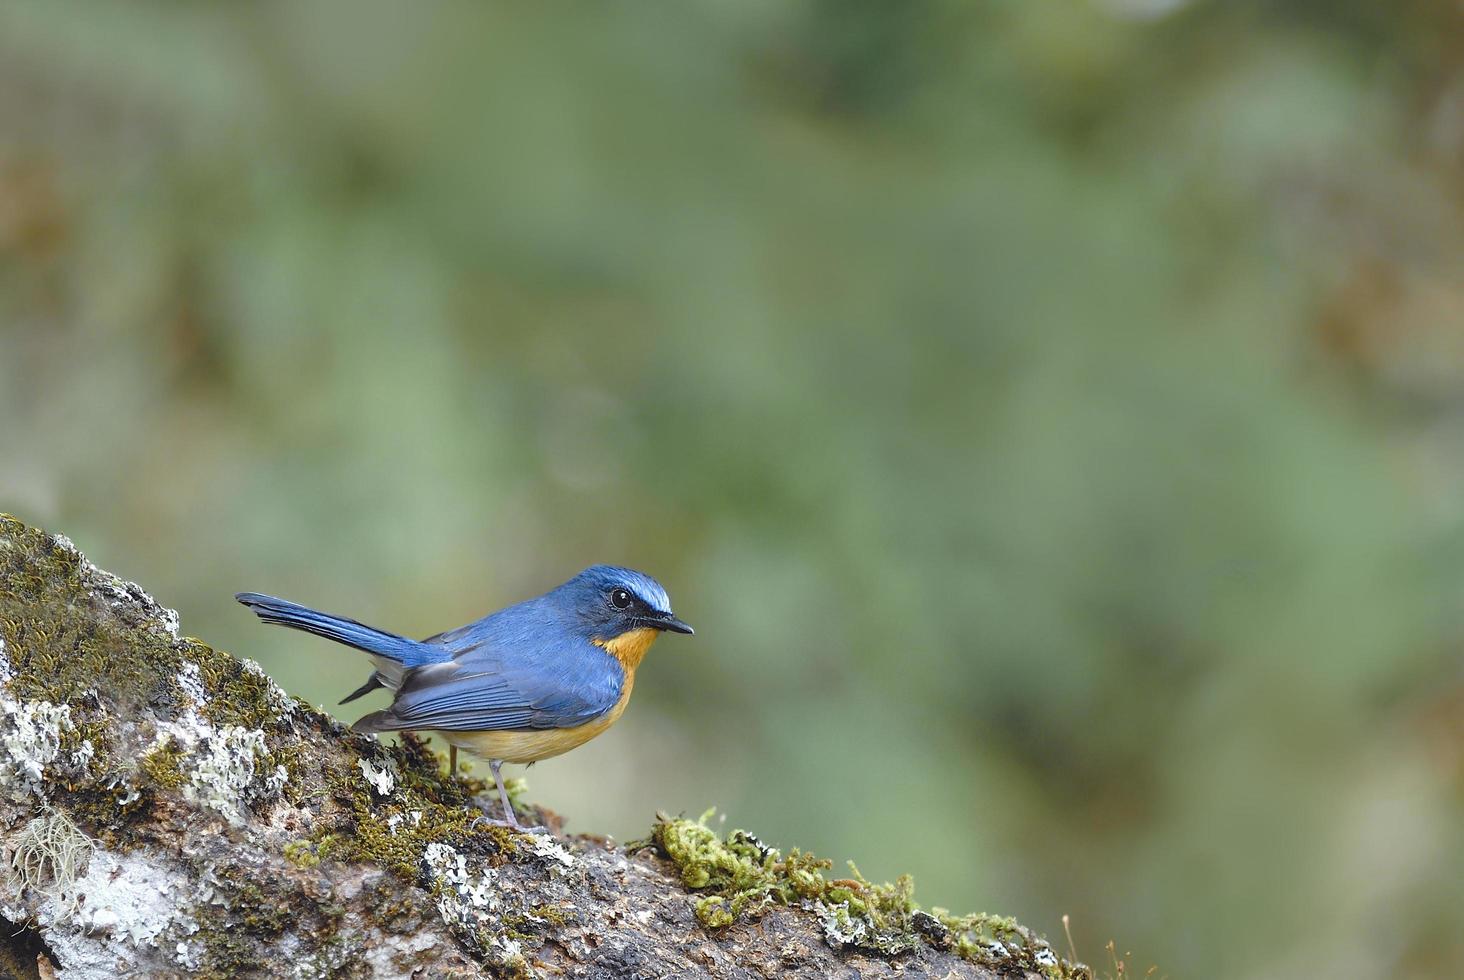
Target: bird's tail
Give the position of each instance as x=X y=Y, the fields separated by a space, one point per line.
x=376 y=721
x=398 y=649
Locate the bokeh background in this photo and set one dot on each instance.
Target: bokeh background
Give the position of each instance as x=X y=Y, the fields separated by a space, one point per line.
x=1050 y=415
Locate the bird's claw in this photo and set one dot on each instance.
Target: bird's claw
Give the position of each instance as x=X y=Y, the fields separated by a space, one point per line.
x=519 y=828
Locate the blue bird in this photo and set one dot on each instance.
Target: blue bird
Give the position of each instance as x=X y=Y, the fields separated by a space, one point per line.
x=525 y=683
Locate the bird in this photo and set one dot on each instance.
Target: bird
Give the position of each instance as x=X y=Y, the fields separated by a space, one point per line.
x=526 y=683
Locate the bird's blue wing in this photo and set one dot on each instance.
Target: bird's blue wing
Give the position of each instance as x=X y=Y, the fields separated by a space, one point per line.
x=505 y=679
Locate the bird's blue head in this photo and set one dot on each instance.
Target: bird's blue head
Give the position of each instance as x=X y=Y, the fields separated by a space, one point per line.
x=620 y=609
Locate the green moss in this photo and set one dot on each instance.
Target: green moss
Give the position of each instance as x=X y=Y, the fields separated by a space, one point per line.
x=111 y=813
x=528 y=929
x=163 y=764
x=102 y=795
x=877 y=917
x=553 y=915
x=396 y=909
x=240 y=926
x=739 y=876
x=257 y=911
x=239 y=694
x=65 y=644
x=373 y=835
x=302 y=853
x=296 y=790
x=515 y=967
x=423 y=808
x=226 y=955
x=82 y=638
x=978 y=935
x=421 y=772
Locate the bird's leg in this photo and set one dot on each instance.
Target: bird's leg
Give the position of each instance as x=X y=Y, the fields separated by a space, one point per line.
x=512 y=821
x=508 y=813
x=452 y=761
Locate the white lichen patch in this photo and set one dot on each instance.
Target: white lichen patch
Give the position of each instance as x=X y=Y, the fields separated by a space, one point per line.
x=843 y=928
x=122 y=902
x=840 y=928
x=471 y=904
x=382 y=780
x=553 y=853
x=223 y=775
x=396 y=820
x=83 y=755
x=463 y=897
x=190 y=682
x=6 y=671
x=475 y=900
x=997 y=950
x=505 y=951
x=188 y=955
x=130 y=792
x=383 y=954
x=30 y=740
x=222 y=765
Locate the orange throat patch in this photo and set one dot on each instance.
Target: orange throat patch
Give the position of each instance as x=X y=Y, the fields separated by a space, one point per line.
x=629 y=647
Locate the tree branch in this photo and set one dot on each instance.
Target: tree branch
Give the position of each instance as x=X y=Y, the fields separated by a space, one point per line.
x=166 y=810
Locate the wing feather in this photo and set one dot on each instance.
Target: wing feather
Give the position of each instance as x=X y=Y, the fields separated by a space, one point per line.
x=503 y=680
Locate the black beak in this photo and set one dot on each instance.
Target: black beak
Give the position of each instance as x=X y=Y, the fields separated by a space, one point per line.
x=671 y=623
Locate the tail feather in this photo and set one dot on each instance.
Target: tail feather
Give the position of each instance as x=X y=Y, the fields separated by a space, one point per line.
x=376 y=721
x=400 y=649
x=372 y=683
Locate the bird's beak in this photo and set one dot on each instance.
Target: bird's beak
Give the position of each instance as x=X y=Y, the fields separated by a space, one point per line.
x=670 y=622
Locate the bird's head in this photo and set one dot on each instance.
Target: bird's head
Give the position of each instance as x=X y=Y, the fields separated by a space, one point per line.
x=621 y=610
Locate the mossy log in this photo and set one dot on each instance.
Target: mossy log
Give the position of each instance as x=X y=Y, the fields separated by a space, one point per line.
x=167 y=810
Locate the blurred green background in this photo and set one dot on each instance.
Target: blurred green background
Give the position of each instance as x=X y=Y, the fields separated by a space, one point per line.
x=1051 y=415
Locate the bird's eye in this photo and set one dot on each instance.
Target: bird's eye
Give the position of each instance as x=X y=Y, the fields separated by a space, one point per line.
x=620 y=599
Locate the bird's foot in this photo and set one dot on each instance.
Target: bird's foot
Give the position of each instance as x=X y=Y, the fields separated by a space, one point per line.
x=487 y=821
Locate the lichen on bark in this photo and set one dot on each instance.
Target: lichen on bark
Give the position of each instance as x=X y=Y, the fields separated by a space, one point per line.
x=166 y=809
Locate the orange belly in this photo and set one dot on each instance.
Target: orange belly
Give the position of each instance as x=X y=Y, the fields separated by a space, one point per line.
x=531 y=745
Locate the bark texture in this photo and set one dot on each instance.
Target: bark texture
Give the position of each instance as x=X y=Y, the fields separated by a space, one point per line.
x=167 y=810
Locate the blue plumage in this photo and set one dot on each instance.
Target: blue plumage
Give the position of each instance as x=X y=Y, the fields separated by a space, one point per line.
x=528 y=666
x=407 y=653
x=561 y=661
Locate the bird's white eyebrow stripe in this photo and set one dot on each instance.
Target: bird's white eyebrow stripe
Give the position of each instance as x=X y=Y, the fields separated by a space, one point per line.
x=657 y=603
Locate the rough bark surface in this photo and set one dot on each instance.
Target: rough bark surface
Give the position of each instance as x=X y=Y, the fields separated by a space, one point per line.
x=167 y=810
